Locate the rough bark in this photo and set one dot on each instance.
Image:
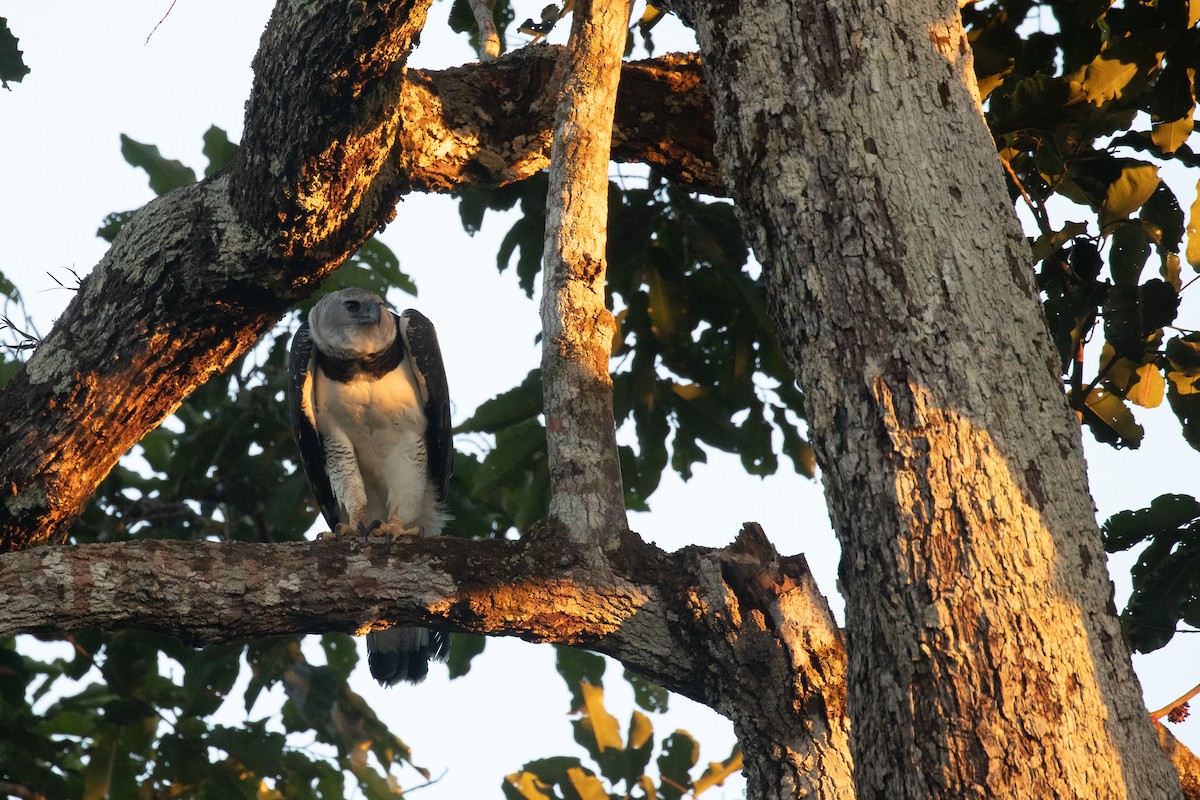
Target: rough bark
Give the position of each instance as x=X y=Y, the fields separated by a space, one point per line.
x=1185 y=761
x=487 y=125
x=577 y=327
x=985 y=657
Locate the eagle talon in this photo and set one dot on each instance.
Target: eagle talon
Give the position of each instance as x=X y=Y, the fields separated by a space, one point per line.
x=397 y=531
x=342 y=531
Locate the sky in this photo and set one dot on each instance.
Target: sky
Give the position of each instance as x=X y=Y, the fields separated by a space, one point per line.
x=97 y=72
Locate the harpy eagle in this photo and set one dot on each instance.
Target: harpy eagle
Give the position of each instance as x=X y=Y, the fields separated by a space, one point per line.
x=371 y=415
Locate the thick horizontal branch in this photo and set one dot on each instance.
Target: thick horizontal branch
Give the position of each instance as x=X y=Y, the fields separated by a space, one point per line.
x=490 y=124
x=659 y=618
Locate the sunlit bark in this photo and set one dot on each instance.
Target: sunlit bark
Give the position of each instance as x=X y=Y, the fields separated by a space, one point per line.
x=577 y=327
x=985 y=657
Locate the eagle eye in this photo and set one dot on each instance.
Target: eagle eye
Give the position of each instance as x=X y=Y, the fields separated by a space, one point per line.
x=352 y=306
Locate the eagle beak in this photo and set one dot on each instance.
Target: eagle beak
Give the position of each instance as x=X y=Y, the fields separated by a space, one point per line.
x=366 y=311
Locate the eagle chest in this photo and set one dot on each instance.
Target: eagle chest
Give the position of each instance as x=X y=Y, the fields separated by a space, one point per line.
x=383 y=418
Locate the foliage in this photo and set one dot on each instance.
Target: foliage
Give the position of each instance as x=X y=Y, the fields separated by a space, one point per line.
x=145 y=730
x=1166 y=577
x=619 y=761
x=12 y=66
x=1087 y=109
x=223 y=467
x=696 y=359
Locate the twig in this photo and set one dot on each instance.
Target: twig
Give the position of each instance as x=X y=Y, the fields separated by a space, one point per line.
x=78 y=279
x=1169 y=707
x=170 y=8
x=429 y=782
x=1039 y=214
x=28 y=341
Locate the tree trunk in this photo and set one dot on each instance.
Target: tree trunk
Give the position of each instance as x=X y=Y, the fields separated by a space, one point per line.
x=985 y=657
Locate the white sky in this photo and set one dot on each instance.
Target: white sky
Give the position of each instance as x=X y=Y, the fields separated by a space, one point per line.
x=94 y=76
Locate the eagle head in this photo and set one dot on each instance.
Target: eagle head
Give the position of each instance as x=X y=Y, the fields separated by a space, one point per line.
x=351 y=324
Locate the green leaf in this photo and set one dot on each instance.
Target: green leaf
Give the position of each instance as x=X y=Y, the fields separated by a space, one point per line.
x=165 y=174
x=374 y=268
x=1128 y=192
x=679 y=754
x=1167 y=513
x=516 y=447
x=112 y=224
x=12 y=66
x=578 y=666
x=341 y=653
x=648 y=694
x=463 y=648
x=1186 y=405
x=1183 y=352
x=517 y=405
x=1162 y=219
x=219 y=151
x=1130 y=249
x=1132 y=316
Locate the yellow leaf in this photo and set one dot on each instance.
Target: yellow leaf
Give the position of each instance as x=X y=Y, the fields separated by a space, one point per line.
x=1128 y=193
x=1106 y=78
x=1115 y=414
x=587 y=786
x=640 y=730
x=1170 y=135
x=1149 y=388
x=1183 y=384
x=604 y=725
x=1193 y=232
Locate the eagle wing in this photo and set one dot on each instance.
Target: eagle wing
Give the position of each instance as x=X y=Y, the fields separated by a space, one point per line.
x=304 y=424
x=425 y=357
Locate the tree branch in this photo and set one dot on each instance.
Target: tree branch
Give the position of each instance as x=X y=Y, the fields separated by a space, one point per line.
x=577 y=327
x=491 y=124
x=656 y=612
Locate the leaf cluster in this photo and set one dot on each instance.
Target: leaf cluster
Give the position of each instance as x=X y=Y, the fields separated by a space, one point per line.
x=620 y=763
x=145 y=728
x=1087 y=109
x=1166 y=577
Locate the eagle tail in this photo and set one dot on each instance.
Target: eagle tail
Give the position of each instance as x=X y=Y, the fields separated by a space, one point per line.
x=403 y=654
